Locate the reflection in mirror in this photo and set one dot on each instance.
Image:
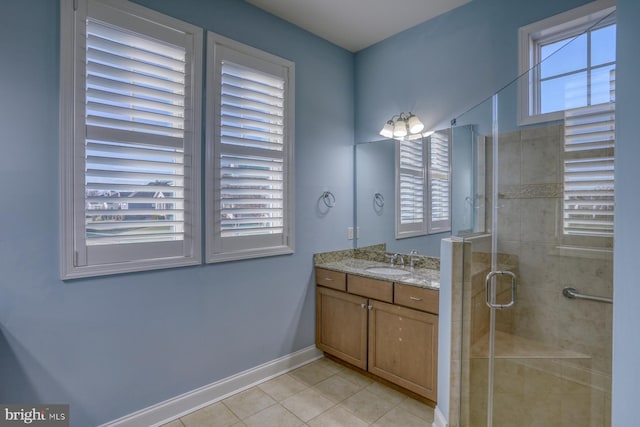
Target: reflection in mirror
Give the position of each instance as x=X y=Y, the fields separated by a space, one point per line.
x=379 y=217
x=468 y=181
x=376 y=191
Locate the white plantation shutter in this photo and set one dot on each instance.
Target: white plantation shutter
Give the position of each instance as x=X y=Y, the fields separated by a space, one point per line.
x=439 y=187
x=411 y=184
x=135 y=114
x=588 y=206
x=251 y=175
x=136 y=125
x=249 y=135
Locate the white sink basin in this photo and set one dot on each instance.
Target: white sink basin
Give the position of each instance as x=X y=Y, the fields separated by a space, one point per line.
x=387 y=271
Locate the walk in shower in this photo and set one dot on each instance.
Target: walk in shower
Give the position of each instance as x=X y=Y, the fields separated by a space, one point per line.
x=534 y=208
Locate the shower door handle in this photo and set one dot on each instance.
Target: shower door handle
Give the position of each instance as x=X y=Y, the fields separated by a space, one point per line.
x=489 y=288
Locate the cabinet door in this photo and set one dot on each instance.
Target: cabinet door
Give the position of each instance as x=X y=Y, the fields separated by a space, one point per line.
x=403 y=347
x=341 y=325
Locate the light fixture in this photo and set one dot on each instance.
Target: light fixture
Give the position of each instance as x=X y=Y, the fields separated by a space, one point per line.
x=402 y=124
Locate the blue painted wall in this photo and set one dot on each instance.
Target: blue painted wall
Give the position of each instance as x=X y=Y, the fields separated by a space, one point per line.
x=626 y=296
x=442 y=67
x=113 y=345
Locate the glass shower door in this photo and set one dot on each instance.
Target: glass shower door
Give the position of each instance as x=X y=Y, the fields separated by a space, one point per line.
x=537 y=314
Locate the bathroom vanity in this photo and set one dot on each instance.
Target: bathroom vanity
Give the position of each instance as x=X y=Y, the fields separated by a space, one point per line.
x=381 y=319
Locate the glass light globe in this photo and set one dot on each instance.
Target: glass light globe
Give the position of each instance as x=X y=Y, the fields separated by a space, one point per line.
x=400 y=129
x=415 y=125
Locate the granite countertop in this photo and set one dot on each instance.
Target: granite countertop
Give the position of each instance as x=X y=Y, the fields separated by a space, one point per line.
x=420 y=277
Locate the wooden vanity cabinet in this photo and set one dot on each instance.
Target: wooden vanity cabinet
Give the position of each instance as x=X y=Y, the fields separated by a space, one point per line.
x=341 y=325
x=386 y=328
x=403 y=347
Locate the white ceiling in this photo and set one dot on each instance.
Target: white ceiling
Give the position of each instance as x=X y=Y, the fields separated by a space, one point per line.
x=356 y=24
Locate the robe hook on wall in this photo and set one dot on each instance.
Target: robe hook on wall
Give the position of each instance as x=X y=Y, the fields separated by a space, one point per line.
x=329 y=199
x=378 y=199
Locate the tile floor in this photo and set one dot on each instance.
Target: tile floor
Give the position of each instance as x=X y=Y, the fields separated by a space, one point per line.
x=320 y=394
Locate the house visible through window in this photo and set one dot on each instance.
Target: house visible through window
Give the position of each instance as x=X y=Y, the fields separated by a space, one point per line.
x=129 y=140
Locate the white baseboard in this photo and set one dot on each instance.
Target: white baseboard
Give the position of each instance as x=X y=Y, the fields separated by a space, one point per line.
x=439 y=420
x=178 y=406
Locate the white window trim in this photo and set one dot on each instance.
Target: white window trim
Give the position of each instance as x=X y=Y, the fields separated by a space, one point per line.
x=213 y=254
x=567 y=24
x=72 y=17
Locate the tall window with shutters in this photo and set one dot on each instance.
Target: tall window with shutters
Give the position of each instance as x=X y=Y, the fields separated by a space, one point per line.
x=422 y=185
x=249 y=187
x=129 y=139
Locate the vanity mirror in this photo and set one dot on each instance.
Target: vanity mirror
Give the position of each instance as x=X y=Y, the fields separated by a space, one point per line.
x=409 y=196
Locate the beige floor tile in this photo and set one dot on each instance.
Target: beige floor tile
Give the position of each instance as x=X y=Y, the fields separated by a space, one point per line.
x=307 y=404
x=386 y=393
x=418 y=409
x=355 y=377
x=367 y=406
x=248 y=402
x=273 y=416
x=314 y=372
x=331 y=365
x=399 y=417
x=337 y=417
x=216 y=415
x=174 y=423
x=336 y=388
x=282 y=387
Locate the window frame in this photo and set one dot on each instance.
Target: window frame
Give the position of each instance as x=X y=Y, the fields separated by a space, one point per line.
x=549 y=30
x=121 y=258
x=217 y=250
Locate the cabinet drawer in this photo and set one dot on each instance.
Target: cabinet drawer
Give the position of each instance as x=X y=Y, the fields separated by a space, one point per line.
x=414 y=297
x=370 y=288
x=331 y=279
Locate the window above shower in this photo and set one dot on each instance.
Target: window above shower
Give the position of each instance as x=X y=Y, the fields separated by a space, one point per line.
x=567 y=61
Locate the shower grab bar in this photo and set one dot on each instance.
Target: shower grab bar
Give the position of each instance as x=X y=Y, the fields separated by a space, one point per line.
x=573 y=294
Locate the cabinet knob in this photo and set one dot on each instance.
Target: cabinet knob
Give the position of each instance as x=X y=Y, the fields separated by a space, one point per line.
x=370 y=307
x=415 y=299
x=328 y=279
x=362 y=305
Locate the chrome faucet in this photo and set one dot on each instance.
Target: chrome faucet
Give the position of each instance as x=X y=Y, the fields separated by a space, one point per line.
x=400 y=259
x=393 y=258
x=412 y=258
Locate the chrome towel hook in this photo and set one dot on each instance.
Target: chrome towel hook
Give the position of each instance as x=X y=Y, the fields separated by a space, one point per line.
x=329 y=199
x=378 y=199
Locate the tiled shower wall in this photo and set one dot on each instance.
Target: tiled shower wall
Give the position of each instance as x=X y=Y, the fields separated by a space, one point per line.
x=530 y=227
x=553 y=354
